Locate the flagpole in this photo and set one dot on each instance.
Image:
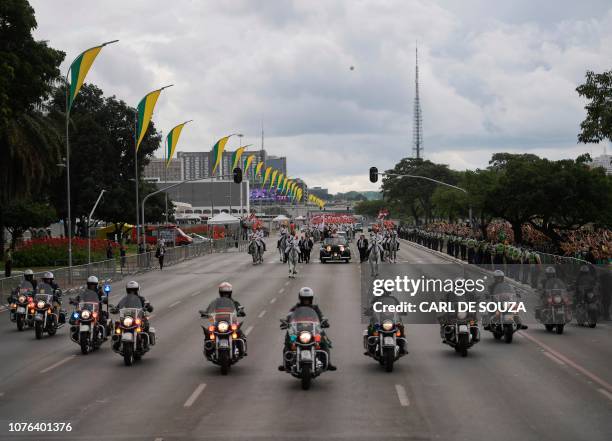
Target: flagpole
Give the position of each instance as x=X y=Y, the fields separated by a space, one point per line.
x=136 y=179
x=164 y=147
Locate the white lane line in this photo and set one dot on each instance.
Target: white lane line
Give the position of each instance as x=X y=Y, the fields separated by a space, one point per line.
x=603 y=391
x=158 y=439
x=261 y=314
x=282 y=290
x=273 y=300
x=553 y=358
x=287 y=283
x=172 y=305
x=401 y=394
x=195 y=293
x=1 y=394
x=248 y=330
x=194 y=396
x=59 y=363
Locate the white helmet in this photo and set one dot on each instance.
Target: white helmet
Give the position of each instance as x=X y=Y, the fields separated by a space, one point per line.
x=225 y=288
x=48 y=275
x=132 y=286
x=306 y=293
x=92 y=280
x=28 y=272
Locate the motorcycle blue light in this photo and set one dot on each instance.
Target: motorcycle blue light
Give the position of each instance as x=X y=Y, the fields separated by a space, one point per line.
x=293 y=338
x=75 y=315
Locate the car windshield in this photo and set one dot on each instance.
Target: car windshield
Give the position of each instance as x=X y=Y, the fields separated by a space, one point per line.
x=335 y=241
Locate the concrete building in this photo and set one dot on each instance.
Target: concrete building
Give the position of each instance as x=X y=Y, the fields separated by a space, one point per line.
x=278 y=162
x=604 y=161
x=319 y=192
x=195 y=165
x=205 y=196
x=156 y=170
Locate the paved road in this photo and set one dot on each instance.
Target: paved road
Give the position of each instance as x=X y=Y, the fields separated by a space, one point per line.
x=542 y=387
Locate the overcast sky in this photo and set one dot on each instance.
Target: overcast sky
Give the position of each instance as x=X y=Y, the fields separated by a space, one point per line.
x=495 y=75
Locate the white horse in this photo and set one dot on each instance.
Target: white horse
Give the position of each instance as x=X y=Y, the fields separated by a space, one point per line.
x=374 y=256
x=282 y=245
x=392 y=245
x=256 y=251
x=292 y=252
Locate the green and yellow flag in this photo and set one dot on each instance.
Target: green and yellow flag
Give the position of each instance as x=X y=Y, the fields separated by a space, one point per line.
x=284 y=186
x=145 y=113
x=266 y=174
x=79 y=68
x=247 y=164
x=236 y=156
x=274 y=174
x=172 y=140
x=217 y=151
x=258 y=168
x=279 y=183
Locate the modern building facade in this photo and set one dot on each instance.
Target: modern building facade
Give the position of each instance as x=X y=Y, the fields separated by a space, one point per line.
x=604 y=161
x=156 y=170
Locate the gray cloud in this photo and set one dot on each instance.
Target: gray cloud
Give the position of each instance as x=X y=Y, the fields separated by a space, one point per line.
x=495 y=75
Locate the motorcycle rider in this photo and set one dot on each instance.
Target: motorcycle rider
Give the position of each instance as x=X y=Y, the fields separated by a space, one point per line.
x=306 y=298
x=28 y=276
x=225 y=291
x=92 y=294
x=133 y=299
x=498 y=279
x=49 y=279
x=387 y=299
x=585 y=282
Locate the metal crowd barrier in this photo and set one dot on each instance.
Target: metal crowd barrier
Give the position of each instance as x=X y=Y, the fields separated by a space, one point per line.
x=116 y=269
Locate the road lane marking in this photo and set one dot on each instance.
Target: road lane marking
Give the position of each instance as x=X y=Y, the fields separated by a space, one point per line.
x=59 y=363
x=248 y=330
x=158 y=439
x=172 y=305
x=261 y=314
x=1 y=394
x=287 y=283
x=553 y=358
x=607 y=386
x=402 y=396
x=194 y=396
x=195 y=293
x=282 y=290
x=602 y=391
x=273 y=300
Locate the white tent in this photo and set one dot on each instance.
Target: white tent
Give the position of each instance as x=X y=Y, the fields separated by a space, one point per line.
x=300 y=218
x=223 y=219
x=280 y=218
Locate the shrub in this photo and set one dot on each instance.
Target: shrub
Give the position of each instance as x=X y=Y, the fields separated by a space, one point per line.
x=54 y=252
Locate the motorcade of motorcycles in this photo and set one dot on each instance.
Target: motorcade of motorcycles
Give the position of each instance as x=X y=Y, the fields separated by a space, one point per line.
x=224 y=343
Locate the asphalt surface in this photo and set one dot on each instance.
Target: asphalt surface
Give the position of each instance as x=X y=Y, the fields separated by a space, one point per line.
x=541 y=387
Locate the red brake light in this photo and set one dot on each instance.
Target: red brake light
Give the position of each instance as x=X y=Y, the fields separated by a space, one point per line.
x=234 y=326
x=95 y=315
x=318 y=338
x=211 y=328
x=138 y=322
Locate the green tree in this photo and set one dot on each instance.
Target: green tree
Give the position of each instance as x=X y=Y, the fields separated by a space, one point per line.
x=369 y=208
x=22 y=214
x=597 y=125
x=29 y=144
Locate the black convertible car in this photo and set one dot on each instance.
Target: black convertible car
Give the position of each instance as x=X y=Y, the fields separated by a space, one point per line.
x=335 y=249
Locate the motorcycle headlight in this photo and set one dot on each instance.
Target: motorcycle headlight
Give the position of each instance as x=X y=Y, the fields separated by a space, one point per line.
x=387 y=325
x=85 y=314
x=40 y=304
x=557 y=299
x=305 y=337
x=128 y=321
x=328 y=248
x=21 y=299
x=461 y=315
x=223 y=326
x=589 y=295
x=341 y=249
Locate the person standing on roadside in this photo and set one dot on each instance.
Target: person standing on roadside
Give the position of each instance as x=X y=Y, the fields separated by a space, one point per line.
x=122 y=253
x=159 y=253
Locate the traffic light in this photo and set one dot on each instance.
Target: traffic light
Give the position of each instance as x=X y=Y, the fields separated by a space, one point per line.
x=373 y=174
x=237 y=175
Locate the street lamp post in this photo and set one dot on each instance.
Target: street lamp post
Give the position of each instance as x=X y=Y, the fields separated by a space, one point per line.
x=437 y=182
x=89 y=226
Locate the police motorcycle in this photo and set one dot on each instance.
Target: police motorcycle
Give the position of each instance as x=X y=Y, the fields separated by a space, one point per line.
x=503 y=324
x=384 y=340
x=46 y=314
x=459 y=329
x=132 y=337
x=88 y=329
x=303 y=356
x=586 y=299
x=224 y=343
x=555 y=310
x=22 y=305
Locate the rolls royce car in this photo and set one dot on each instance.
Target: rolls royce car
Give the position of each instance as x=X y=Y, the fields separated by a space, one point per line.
x=335 y=249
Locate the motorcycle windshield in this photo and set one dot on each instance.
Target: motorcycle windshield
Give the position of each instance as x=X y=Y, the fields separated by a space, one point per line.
x=504 y=292
x=90 y=306
x=25 y=288
x=304 y=318
x=47 y=298
x=130 y=312
x=44 y=288
x=222 y=309
x=379 y=317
